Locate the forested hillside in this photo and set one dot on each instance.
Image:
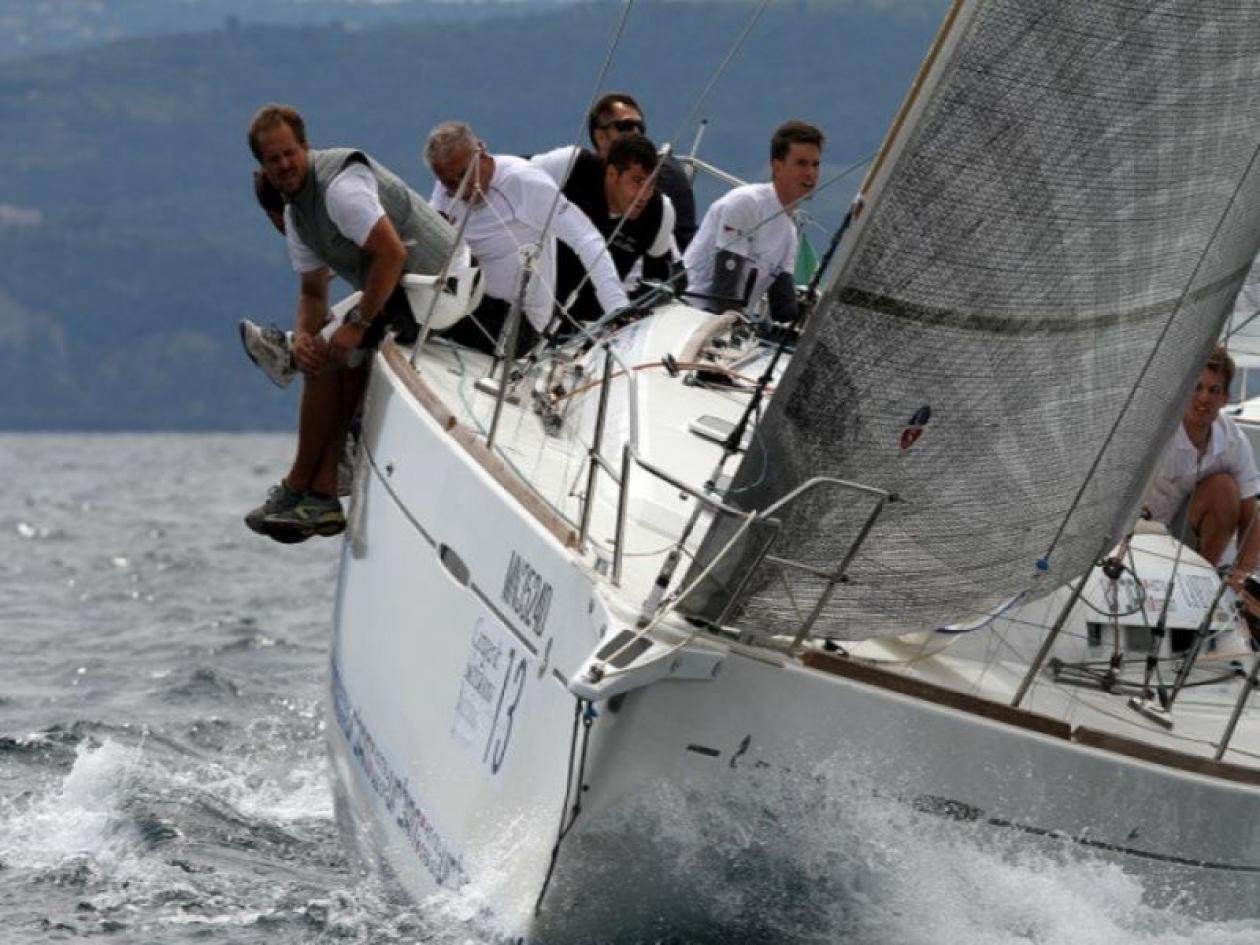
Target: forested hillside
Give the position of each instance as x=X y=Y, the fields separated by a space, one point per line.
x=130 y=241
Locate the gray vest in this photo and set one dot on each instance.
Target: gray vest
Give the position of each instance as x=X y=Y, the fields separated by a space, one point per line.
x=426 y=235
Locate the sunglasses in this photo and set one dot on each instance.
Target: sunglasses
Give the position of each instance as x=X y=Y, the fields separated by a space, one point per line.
x=625 y=125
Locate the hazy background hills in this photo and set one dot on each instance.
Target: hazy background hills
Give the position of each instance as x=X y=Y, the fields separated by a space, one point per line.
x=128 y=234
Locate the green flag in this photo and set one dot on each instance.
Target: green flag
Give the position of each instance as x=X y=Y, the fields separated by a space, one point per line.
x=806 y=261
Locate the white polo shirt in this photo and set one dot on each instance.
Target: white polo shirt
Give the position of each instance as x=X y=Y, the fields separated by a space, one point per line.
x=1180 y=467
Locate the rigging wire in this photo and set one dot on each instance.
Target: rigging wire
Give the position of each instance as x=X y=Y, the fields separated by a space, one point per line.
x=1235 y=329
x=589 y=331
x=593 y=332
x=700 y=99
x=618 y=33
x=722 y=66
x=1150 y=359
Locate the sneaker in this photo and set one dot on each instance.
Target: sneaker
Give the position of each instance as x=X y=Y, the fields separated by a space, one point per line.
x=310 y=515
x=280 y=498
x=271 y=349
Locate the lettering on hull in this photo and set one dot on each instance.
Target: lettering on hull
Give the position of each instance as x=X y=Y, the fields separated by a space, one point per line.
x=394 y=792
x=527 y=594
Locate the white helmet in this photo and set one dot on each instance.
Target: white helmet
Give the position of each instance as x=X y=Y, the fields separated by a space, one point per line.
x=460 y=295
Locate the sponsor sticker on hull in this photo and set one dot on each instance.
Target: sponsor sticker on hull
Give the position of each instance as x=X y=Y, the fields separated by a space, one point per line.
x=490 y=693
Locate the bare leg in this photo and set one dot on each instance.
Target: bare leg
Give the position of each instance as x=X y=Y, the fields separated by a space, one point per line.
x=344 y=403
x=317 y=419
x=1214 y=514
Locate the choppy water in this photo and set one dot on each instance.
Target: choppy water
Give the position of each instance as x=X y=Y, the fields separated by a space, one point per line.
x=162 y=773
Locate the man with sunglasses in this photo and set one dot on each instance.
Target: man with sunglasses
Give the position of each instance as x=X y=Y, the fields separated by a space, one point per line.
x=619 y=196
x=612 y=116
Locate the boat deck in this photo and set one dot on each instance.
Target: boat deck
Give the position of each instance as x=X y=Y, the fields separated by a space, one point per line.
x=548 y=468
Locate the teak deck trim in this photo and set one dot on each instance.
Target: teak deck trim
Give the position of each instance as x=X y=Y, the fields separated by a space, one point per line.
x=1164 y=756
x=474 y=447
x=930 y=692
x=1022 y=718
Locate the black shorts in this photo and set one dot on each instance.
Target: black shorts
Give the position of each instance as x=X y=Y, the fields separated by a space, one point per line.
x=397 y=315
x=480 y=331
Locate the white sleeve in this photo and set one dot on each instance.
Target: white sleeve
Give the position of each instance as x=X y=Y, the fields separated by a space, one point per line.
x=439 y=201
x=1162 y=497
x=737 y=227
x=301 y=256
x=1244 y=465
x=570 y=224
x=576 y=229
x=664 y=241
x=787 y=263
x=556 y=163
x=353 y=203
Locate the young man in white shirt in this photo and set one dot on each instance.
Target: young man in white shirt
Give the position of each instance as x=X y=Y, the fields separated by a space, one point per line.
x=1205 y=485
x=746 y=246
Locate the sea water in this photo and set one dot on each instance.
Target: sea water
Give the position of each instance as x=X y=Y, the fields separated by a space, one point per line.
x=162 y=773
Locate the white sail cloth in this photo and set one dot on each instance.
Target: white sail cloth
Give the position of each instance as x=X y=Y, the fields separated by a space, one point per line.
x=1053 y=241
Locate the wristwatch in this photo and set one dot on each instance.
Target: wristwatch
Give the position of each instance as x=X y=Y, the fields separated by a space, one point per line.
x=355 y=317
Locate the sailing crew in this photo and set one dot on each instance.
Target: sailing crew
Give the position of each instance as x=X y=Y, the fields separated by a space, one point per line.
x=618 y=195
x=509 y=210
x=746 y=247
x=344 y=212
x=612 y=116
x=1205 y=484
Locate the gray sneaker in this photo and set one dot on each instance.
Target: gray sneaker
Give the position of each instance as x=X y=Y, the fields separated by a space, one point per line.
x=280 y=498
x=271 y=349
x=310 y=515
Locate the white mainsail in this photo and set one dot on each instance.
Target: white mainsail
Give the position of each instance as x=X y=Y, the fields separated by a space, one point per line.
x=1054 y=237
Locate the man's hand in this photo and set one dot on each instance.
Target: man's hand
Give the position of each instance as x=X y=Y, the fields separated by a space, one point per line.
x=346 y=340
x=310 y=352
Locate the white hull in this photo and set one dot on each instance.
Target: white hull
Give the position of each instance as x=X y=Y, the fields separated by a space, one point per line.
x=462 y=618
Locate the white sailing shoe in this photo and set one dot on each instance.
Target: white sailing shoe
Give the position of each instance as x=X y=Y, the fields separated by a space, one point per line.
x=271 y=349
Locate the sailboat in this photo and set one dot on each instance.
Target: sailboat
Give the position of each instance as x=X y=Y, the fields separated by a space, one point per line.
x=591 y=596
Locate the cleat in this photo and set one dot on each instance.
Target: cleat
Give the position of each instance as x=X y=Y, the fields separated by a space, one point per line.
x=271 y=349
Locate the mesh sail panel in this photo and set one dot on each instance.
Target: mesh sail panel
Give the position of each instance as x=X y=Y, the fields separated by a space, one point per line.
x=1055 y=239
x=1244 y=334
